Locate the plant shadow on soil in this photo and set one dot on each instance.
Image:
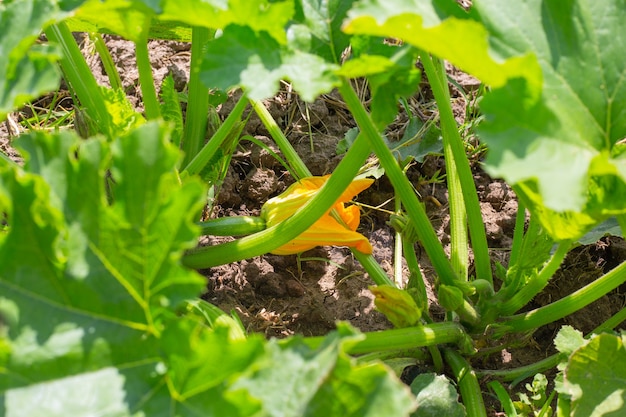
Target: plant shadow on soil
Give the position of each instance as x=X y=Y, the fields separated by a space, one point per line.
x=283 y=295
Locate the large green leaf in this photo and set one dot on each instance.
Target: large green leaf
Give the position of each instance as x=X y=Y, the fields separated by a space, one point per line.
x=84 y=284
x=595 y=378
x=318 y=27
x=444 y=29
x=436 y=396
x=257 y=62
x=562 y=151
x=26 y=70
x=555 y=120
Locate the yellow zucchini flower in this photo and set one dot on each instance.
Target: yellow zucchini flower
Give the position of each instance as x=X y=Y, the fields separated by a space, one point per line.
x=326 y=231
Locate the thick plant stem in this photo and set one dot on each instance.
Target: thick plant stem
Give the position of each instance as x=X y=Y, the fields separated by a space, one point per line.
x=518 y=233
x=467 y=382
x=373 y=268
x=450 y=130
x=107 y=61
x=148 y=92
x=296 y=164
x=415 y=210
x=403 y=189
x=207 y=152
x=198 y=100
x=523 y=371
x=459 y=241
x=80 y=78
x=399 y=243
x=536 y=283
x=232 y=226
x=405 y=338
x=566 y=305
x=276 y=236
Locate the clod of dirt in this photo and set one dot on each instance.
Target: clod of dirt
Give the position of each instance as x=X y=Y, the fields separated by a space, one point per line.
x=260 y=184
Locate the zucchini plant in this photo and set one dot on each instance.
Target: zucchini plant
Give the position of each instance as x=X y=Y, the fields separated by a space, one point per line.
x=99 y=307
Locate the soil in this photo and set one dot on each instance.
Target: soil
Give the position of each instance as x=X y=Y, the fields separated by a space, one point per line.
x=285 y=295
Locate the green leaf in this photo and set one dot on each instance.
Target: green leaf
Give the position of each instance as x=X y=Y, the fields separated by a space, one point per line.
x=257 y=62
x=129 y=19
x=261 y=15
x=84 y=284
x=28 y=70
x=436 y=396
x=609 y=227
x=170 y=109
x=319 y=29
x=390 y=70
x=325 y=382
x=445 y=30
x=419 y=140
x=595 y=378
x=561 y=150
x=568 y=340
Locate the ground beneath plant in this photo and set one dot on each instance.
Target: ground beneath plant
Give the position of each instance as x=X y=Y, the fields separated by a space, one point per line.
x=285 y=295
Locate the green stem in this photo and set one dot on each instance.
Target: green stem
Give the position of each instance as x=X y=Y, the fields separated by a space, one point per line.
x=566 y=305
x=276 y=236
x=232 y=226
x=416 y=279
x=459 y=241
x=79 y=76
x=146 y=81
x=403 y=189
x=522 y=372
x=551 y=361
x=450 y=130
x=295 y=162
x=107 y=61
x=373 y=268
x=537 y=282
x=612 y=322
x=206 y=153
x=398 y=251
x=415 y=210
x=198 y=100
x=518 y=233
x=467 y=382
x=405 y=338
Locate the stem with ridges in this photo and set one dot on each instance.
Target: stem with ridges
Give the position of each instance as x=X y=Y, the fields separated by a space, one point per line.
x=467 y=382
x=518 y=233
x=107 y=61
x=80 y=77
x=402 y=187
x=146 y=81
x=198 y=100
x=405 y=338
x=206 y=153
x=537 y=282
x=459 y=241
x=478 y=235
x=566 y=305
x=292 y=157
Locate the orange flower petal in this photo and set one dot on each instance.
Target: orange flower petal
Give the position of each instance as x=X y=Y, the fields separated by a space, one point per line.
x=327 y=230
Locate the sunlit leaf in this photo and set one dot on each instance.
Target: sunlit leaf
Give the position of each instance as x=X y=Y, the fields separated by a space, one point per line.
x=27 y=70
x=257 y=62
